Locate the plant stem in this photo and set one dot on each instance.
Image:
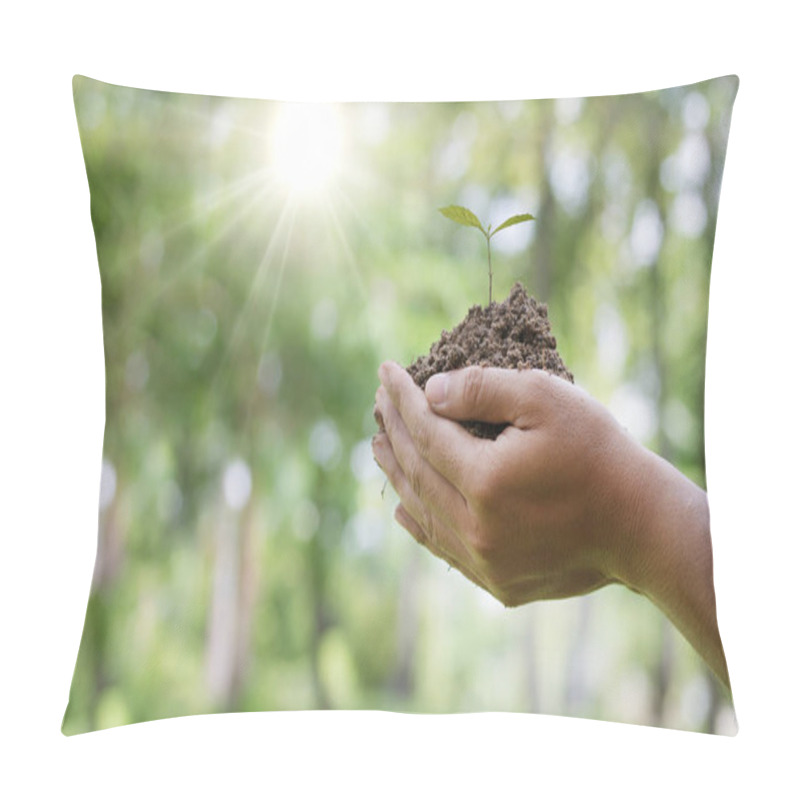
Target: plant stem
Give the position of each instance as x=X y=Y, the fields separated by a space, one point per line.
x=489 y=251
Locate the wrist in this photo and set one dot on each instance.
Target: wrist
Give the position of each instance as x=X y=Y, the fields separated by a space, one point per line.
x=664 y=553
x=666 y=527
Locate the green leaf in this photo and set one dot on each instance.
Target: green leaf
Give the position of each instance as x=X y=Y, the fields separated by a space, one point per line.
x=515 y=220
x=463 y=216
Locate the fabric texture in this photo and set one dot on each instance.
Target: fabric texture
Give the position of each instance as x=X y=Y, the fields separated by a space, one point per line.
x=259 y=260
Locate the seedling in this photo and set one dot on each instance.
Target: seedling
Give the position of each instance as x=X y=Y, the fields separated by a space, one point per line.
x=463 y=216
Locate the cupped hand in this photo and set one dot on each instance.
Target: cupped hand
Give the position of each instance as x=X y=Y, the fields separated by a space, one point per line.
x=544 y=511
x=563 y=502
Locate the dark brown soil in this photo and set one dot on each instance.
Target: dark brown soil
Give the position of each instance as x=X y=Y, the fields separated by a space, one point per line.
x=514 y=334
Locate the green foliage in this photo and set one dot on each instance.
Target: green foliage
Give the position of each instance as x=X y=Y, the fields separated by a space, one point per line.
x=246 y=558
x=515 y=220
x=463 y=216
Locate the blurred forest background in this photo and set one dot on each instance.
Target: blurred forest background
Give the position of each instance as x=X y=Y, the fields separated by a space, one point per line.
x=259 y=260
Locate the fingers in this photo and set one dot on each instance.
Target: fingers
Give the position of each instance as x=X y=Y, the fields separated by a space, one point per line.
x=446 y=446
x=428 y=523
x=410 y=524
x=384 y=455
x=489 y=394
x=424 y=491
x=432 y=509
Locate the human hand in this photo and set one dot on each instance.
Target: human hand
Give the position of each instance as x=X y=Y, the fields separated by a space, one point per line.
x=563 y=502
x=536 y=513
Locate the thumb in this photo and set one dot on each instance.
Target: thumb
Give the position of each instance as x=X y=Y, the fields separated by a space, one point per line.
x=481 y=394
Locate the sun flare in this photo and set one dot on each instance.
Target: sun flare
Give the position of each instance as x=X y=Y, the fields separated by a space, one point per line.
x=306 y=146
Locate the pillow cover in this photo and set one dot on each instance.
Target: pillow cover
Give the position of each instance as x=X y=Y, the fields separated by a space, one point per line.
x=258 y=261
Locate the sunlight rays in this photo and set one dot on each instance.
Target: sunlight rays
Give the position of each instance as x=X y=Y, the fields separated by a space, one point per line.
x=283 y=230
x=293 y=200
x=306 y=146
x=222 y=202
x=350 y=257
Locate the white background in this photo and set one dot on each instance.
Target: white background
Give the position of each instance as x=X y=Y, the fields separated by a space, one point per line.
x=52 y=390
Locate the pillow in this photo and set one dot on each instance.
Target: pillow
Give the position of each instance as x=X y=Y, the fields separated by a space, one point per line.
x=259 y=260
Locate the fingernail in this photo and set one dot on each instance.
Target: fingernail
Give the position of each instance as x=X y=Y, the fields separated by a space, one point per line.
x=384 y=369
x=436 y=389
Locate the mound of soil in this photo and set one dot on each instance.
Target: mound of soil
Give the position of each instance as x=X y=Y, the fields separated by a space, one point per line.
x=514 y=334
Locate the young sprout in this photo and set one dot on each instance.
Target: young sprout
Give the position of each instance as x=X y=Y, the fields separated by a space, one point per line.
x=463 y=216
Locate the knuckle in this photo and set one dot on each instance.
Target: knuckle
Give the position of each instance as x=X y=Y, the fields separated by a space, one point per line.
x=484 y=485
x=426 y=523
x=483 y=545
x=486 y=548
x=483 y=491
x=423 y=437
x=473 y=386
x=414 y=475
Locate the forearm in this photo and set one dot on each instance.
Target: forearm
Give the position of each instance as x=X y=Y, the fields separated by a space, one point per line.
x=670 y=559
x=563 y=503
